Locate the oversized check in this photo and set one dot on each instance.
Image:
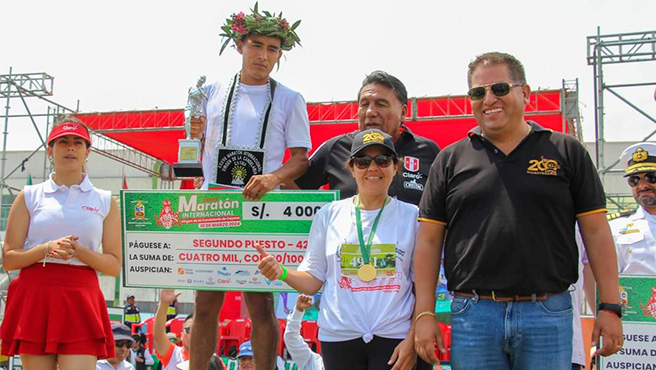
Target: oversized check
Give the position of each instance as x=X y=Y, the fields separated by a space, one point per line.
x=638 y=297
x=204 y=239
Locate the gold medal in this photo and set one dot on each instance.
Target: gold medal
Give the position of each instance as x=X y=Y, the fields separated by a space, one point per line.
x=366 y=272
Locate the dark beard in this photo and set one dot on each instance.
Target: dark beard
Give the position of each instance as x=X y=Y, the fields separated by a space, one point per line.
x=646 y=201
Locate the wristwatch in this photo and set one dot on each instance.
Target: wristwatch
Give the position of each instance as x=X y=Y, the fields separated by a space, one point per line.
x=612 y=307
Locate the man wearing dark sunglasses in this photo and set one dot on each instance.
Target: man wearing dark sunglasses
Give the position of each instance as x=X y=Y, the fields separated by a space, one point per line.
x=503 y=203
x=122 y=345
x=382 y=104
x=635 y=234
x=634 y=230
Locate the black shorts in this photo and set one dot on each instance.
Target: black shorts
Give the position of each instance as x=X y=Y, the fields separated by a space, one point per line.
x=357 y=355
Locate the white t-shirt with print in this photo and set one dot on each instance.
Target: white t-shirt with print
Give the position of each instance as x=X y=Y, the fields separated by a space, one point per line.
x=288 y=125
x=351 y=308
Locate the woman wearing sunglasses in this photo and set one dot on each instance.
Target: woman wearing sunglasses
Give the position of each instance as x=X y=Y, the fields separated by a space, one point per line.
x=360 y=252
x=56 y=315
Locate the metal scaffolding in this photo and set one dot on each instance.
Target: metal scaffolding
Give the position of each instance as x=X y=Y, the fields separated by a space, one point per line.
x=570 y=104
x=23 y=85
x=615 y=49
x=40 y=85
x=129 y=156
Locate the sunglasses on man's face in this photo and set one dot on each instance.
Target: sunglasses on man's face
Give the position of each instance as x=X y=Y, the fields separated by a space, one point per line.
x=499 y=89
x=123 y=342
x=363 y=162
x=634 y=180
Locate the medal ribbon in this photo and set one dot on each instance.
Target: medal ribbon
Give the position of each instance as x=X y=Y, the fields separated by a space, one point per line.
x=366 y=248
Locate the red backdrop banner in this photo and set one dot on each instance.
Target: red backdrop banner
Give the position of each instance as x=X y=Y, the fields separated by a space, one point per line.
x=444 y=119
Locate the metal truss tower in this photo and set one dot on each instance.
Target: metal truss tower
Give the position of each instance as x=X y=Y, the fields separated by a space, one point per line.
x=23 y=85
x=570 y=107
x=615 y=49
x=40 y=85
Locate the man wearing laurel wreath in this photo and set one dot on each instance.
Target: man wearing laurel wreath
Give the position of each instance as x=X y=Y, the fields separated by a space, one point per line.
x=248 y=123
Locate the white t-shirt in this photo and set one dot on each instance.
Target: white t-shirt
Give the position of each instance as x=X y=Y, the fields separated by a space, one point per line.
x=288 y=126
x=351 y=308
x=173 y=357
x=57 y=211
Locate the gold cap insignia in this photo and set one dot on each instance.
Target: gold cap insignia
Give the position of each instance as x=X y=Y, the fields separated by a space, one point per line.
x=640 y=155
x=375 y=137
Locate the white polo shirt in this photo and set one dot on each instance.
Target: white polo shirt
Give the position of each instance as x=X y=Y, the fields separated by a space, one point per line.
x=58 y=211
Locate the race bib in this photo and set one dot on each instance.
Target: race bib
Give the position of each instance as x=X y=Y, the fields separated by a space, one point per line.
x=382 y=258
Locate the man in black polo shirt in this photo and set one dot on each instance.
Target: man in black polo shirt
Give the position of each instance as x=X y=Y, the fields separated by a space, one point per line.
x=382 y=104
x=510 y=195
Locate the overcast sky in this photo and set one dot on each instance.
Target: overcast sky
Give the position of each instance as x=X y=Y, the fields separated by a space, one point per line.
x=138 y=55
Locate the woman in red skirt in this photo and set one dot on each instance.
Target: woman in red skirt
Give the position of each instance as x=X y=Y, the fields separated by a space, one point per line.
x=56 y=314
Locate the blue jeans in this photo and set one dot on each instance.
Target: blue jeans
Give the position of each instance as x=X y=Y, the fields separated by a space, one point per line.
x=511 y=335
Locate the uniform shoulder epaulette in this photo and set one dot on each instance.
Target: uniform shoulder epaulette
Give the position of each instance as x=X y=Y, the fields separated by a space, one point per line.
x=622 y=213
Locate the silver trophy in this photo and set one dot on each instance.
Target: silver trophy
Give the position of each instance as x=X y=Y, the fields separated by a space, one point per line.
x=189 y=149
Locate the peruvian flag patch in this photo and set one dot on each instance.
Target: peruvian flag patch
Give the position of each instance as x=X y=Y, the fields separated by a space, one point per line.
x=411 y=164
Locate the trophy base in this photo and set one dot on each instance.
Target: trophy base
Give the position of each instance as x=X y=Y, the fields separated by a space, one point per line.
x=190 y=170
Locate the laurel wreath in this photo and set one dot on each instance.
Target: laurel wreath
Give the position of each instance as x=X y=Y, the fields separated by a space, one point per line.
x=264 y=23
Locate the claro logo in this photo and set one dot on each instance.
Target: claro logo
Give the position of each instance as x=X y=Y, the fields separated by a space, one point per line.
x=91 y=209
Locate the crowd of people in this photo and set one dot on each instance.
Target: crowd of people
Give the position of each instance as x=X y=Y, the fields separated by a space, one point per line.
x=499 y=209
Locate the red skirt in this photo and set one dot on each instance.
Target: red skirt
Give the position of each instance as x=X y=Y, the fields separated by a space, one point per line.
x=56 y=309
